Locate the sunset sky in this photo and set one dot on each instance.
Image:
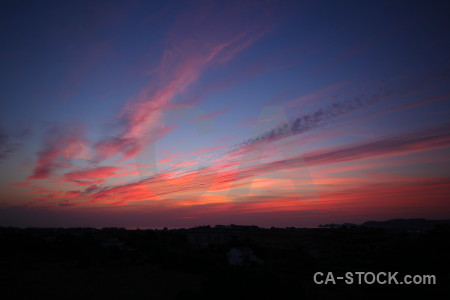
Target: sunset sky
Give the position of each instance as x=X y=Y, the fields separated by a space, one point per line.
x=182 y=113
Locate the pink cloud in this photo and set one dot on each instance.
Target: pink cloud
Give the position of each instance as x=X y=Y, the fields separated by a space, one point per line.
x=219 y=178
x=174 y=184
x=128 y=147
x=191 y=49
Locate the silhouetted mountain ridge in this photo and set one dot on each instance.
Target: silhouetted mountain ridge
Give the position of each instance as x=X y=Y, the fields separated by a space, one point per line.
x=406 y=224
x=420 y=224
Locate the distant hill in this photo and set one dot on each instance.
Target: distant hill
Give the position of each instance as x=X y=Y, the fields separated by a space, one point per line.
x=404 y=224
x=418 y=224
x=332 y=225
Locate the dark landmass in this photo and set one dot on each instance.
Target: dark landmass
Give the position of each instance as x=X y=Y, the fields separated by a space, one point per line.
x=222 y=262
x=399 y=224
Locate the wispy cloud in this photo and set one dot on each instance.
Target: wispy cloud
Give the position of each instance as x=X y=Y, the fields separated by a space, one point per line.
x=400 y=144
x=217 y=178
x=212 y=115
x=91 y=176
x=60 y=145
x=191 y=49
x=312 y=120
x=193 y=45
x=7 y=146
x=11 y=142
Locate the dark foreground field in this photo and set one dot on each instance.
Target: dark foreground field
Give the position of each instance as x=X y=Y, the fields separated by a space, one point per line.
x=221 y=262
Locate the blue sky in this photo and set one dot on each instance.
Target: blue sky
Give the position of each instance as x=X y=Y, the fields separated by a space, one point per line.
x=203 y=112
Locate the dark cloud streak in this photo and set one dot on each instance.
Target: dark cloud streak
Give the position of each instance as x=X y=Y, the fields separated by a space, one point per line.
x=437 y=137
x=312 y=120
x=11 y=142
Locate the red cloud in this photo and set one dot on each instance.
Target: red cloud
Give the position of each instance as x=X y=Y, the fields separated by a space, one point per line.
x=83 y=182
x=169 y=158
x=91 y=176
x=220 y=178
x=212 y=115
x=25 y=183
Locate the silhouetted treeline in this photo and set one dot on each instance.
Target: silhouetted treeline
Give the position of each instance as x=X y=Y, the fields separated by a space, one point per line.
x=221 y=262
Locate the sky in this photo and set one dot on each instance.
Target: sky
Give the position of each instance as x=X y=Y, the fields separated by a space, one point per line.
x=150 y=114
